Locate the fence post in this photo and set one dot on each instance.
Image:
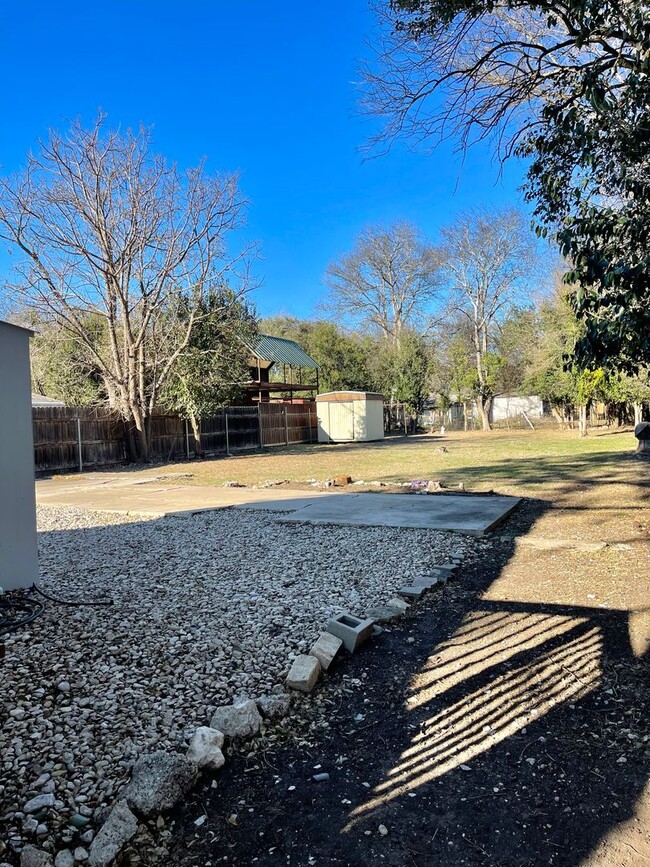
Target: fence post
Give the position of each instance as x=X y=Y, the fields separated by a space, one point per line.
x=81 y=463
x=311 y=436
x=286 y=428
x=259 y=425
x=225 y=414
x=187 y=440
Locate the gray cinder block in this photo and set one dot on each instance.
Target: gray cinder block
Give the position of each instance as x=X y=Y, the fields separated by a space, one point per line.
x=351 y=630
x=413 y=593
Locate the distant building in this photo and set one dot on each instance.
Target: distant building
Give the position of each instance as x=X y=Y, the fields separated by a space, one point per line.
x=505 y=406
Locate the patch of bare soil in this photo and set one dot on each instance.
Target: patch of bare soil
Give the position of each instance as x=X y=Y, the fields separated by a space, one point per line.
x=504 y=722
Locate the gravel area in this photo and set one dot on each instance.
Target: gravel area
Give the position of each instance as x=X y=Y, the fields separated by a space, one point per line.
x=205 y=609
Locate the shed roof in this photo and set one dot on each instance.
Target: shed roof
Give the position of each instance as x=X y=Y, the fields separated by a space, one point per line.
x=279 y=349
x=346 y=396
x=28 y=331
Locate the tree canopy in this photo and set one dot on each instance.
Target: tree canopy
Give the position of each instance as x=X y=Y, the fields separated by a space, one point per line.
x=387 y=283
x=566 y=84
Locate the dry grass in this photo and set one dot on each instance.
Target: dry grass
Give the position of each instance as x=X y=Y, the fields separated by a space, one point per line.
x=527 y=463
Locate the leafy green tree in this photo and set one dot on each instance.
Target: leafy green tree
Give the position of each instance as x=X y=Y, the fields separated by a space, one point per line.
x=62 y=367
x=402 y=373
x=213 y=368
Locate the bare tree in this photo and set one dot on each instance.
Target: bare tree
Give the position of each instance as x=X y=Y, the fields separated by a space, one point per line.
x=387 y=283
x=489 y=261
x=469 y=70
x=104 y=228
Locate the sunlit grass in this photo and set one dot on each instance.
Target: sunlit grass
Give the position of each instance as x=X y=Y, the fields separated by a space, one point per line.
x=518 y=462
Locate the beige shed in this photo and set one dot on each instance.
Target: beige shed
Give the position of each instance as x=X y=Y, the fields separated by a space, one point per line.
x=350 y=416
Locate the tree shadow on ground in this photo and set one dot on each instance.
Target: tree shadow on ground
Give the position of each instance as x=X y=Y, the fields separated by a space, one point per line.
x=501 y=732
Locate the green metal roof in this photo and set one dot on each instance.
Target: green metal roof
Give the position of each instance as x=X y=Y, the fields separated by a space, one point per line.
x=279 y=349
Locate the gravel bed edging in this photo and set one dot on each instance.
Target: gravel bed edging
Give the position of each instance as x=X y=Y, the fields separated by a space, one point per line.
x=97 y=856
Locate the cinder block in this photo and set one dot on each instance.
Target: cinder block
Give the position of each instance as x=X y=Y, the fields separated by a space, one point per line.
x=413 y=592
x=351 y=630
x=426 y=581
x=303 y=673
x=449 y=568
x=326 y=648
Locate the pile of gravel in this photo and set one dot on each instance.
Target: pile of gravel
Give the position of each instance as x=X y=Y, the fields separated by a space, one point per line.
x=206 y=609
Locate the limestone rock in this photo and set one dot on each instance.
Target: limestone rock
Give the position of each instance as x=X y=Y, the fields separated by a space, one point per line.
x=238 y=720
x=32 y=856
x=326 y=648
x=274 y=706
x=64 y=858
x=205 y=748
x=120 y=827
x=40 y=802
x=160 y=780
x=304 y=673
x=383 y=613
x=398 y=604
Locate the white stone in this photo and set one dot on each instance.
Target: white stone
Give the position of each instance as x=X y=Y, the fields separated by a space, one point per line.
x=325 y=649
x=216 y=628
x=64 y=858
x=238 y=720
x=205 y=748
x=304 y=672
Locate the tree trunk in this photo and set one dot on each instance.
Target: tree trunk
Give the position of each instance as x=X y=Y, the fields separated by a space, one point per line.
x=196 y=430
x=484 y=405
x=465 y=416
x=582 y=420
x=141 y=433
x=559 y=418
x=638 y=413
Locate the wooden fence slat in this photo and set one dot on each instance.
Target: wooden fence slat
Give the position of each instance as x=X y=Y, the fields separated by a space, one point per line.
x=104 y=435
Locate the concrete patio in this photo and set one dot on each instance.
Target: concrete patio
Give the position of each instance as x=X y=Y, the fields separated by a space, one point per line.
x=125 y=494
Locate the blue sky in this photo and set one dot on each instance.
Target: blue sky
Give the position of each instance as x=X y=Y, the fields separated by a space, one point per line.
x=267 y=89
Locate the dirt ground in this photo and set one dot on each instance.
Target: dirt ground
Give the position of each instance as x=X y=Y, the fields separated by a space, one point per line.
x=503 y=722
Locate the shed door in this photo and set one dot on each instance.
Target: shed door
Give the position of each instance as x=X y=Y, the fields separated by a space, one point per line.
x=341 y=418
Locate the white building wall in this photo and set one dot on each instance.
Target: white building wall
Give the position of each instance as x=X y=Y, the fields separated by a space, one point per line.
x=504 y=406
x=18 y=552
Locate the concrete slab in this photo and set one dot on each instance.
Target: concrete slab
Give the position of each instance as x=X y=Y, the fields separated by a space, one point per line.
x=472 y=515
x=115 y=492
x=158 y=497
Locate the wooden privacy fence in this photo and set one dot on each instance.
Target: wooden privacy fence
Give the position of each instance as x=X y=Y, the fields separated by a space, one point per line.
x=78 y=438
